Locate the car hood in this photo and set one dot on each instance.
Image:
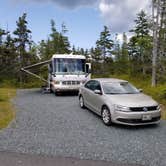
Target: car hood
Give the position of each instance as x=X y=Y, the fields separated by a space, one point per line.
x=131 y=100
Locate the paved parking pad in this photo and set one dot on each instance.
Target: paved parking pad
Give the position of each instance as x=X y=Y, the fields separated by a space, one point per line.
x=55 y=126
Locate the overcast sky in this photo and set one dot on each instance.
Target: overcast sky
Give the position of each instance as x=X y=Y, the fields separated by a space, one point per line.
x=84 y=18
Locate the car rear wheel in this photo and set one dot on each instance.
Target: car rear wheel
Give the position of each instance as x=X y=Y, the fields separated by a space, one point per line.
x=106 y=116
x=81 y=101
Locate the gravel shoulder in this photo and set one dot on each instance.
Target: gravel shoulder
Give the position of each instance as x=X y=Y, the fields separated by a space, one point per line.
x=55 y=126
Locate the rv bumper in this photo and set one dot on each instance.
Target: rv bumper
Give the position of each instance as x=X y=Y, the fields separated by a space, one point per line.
x=62 y=88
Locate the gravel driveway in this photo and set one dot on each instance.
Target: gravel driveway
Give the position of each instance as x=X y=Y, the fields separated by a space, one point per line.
x=56 y=126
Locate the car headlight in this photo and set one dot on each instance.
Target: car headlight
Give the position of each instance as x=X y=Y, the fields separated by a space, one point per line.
x=122 y=108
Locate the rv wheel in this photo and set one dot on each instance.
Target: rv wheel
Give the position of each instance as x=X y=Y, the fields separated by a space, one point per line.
x=51 y=91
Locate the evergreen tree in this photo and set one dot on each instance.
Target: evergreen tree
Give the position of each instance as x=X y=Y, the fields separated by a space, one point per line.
x=22 y=42
x=105 y=44
x=74 y=50
x=65 y=40
x=122 y=59
x=59 y=42
x=116 y=50
x=54 y=41
x=8 y=57
x=2 y=33
x=82 y=52
x=124 y=47
x=141 y=28
x=141 y=43
x=22 y=39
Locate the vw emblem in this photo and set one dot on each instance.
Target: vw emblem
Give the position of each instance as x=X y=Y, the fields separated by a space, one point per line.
x=145 y=109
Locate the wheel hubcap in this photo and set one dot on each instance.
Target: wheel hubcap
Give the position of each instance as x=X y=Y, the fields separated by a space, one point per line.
x=106 y=116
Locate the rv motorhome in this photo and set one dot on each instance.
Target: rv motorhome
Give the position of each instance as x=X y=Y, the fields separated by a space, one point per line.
x=67 y=72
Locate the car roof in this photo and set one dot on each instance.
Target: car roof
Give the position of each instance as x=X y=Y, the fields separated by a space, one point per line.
x=104 y=80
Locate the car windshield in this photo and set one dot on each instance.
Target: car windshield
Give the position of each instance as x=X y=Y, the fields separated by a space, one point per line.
x=69 y=66
x=119 y=88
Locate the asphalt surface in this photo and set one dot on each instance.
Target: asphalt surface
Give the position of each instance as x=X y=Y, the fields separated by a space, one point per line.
x=53 y=126
x=16 y=159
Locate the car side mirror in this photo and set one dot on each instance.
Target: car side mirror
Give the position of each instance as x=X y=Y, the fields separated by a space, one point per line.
x=98 y=92
x=140 y=90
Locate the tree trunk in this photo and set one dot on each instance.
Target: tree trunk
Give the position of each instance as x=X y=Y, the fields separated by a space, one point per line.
x=155 y=41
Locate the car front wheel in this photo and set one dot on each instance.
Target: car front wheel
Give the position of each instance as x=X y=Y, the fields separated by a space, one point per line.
x=106 y=116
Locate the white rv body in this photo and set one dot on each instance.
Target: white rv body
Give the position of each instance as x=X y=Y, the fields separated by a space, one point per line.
x=68 y=72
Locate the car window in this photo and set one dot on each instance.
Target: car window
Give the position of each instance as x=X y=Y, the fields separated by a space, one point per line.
x=89 y=84
x=93 y=85
x=119 y=88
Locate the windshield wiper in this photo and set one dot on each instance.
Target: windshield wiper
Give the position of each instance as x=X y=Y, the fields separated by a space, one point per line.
x=132 y=93
x=113 y=93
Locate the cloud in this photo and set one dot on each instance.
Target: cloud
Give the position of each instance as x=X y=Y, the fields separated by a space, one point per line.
x=68 y=4
x=119 y=15
x=74 y=3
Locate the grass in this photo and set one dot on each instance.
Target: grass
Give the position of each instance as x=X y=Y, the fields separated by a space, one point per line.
x=163 y=114
x=6 y=109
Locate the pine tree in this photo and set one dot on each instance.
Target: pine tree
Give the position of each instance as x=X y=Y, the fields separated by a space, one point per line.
x=65 y=44
x=59 y=42
x=116 y=50
x=22 y=42
x=74 y=50
x=8 y=57
x=82 y=52
x=124 y=47
x=105 y=43
x=2 y=33
x=23 y=39
x=141 y=28
x=141 y=43
x=54 y=41
x=123 y=60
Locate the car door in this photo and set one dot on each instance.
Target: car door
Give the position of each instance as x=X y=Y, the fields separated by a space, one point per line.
x=96 y=99
x=87 y=93
x=92 y=100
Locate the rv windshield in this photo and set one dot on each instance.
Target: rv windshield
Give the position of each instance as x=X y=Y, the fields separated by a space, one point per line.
x=69 y=66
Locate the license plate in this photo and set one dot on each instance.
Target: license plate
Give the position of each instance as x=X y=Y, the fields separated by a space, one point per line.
x=146 y=117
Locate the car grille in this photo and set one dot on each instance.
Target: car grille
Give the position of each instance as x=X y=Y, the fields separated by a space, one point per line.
x=134 y=121
x=70 y=82
x=139 y=109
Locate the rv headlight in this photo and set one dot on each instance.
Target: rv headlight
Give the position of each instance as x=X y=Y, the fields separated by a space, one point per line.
x=122 y=108
x=56 y=82
x=159 y=107
x=83 y=81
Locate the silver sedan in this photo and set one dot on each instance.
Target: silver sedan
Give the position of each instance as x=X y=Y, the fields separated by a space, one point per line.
x=117 y=101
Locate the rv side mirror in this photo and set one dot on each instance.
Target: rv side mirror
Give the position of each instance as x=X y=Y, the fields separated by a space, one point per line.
x=140 y=90
x=88 y=70
x=50 y=68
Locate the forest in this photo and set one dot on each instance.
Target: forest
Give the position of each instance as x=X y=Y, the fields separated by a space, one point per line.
x=130 y=59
